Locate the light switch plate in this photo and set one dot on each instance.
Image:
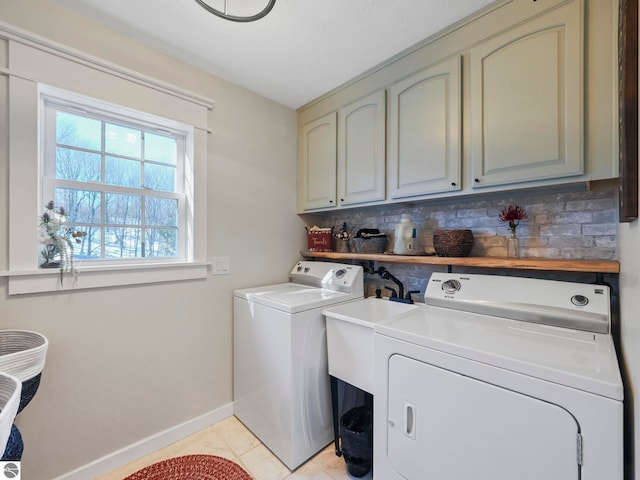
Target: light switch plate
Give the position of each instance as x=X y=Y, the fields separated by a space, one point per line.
x=221 y=265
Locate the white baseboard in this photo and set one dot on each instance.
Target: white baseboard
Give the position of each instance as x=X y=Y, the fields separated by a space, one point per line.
x=147 y=445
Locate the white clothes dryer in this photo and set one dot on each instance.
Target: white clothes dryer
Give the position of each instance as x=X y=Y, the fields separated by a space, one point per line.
x=499 y=378
x=280 y=377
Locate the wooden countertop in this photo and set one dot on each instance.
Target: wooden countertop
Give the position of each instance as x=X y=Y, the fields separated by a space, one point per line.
x=522 y=263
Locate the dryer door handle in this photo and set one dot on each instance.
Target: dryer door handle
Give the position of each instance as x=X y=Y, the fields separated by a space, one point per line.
x=409 y=419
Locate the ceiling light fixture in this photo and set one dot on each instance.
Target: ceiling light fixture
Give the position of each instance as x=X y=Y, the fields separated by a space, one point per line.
x=236 y=18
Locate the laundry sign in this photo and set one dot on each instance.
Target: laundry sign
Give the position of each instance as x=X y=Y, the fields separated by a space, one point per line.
x=319 y=239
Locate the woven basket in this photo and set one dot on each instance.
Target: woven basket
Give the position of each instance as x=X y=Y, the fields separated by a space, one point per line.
x=10 y=388
x=15 y=446
x=453 y=243
x=22 y=354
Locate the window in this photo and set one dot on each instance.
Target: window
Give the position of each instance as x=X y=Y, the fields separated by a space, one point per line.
x=121 y=176
x=145 y=227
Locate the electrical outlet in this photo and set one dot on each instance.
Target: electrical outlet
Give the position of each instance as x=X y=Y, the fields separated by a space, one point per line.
x=221 y=265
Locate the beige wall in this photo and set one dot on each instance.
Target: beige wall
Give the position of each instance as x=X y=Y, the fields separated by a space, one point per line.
x=127 y=363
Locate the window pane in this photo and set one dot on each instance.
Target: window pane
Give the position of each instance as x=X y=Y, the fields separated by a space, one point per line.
x=123 y=140
x=160 y=148
x=77 y=165
x=161 y=212
x=161 y=242
x=78 y=131
x=123 y=242
x=123 y=169
x=122 y=172
x=159 y=177
x=122 y=209
x=89 y=247
x=82 y=206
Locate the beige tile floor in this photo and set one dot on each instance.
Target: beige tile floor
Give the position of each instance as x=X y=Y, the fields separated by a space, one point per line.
x=230 y=439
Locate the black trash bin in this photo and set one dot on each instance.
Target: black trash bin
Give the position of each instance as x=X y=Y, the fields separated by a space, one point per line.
x=356 y=432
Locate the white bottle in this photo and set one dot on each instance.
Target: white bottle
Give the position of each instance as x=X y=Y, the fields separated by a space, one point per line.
x=406 y=233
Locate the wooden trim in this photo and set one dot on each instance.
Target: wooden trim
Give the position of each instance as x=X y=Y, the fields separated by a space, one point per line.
x=628 y=103
x=546 y=264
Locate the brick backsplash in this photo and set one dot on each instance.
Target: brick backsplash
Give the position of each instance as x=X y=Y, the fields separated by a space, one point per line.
x=561 y=224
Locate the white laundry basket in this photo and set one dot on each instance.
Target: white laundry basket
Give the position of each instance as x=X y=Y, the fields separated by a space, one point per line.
x=22 y=356
x=10 y=389
x=22 y=353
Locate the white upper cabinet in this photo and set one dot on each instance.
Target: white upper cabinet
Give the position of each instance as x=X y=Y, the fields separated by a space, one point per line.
x=318 y=163
x=361 y=150
x=526 y=101
x=524 y=95
x=343 y=153
x=425 y=131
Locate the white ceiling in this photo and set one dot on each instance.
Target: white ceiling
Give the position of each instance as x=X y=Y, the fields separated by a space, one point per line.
x=302 y=49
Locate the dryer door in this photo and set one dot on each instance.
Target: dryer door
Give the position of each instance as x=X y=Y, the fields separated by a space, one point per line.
x=444 y=425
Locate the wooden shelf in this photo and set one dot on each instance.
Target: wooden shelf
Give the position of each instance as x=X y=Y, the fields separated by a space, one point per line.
x=549 y=264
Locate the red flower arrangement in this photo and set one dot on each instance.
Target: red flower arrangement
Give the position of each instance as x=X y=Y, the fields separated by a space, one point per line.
x=513 y=214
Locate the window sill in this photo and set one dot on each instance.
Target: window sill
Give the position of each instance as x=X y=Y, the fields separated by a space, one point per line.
x=45 y=280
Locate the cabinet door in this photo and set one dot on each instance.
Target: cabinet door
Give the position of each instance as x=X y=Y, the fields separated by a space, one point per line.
x=424 y=131
x=443 y=425
x=361 y=150
x=526 y=101
x=318 y=176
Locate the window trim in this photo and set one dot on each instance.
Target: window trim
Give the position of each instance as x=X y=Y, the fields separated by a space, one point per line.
x=43 y=280
x=22 y=272
x=52 y=100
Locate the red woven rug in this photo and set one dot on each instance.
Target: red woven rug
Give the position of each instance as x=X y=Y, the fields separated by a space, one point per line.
x=192 y=467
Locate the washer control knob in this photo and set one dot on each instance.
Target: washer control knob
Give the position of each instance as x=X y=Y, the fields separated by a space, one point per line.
x=299 y=269
x=340 y=273
x=579 y=300
x=451 y=286
x=306 y=269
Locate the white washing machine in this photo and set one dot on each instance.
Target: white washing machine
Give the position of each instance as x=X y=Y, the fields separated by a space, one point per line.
x=280 y=377
x=499 y=378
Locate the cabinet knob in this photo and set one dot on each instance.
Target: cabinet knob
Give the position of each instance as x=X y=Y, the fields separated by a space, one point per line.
x=453 y=184
x=330 y=201
x=342 y=199
x=477 y=180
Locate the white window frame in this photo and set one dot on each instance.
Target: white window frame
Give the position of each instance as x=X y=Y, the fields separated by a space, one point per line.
x=53 y=99
x=34 y=62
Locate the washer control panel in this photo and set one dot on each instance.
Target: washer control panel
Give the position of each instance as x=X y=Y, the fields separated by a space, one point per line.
x=333 y=276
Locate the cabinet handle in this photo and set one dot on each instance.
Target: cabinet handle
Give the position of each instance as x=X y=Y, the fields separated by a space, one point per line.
x=477 y=180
